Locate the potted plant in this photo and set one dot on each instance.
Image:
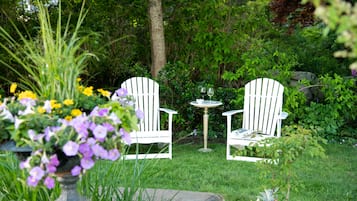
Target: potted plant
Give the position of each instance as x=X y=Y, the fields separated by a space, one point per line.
x=67 y=125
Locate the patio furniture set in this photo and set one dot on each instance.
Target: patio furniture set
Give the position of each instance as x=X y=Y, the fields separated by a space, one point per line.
x=262 y=115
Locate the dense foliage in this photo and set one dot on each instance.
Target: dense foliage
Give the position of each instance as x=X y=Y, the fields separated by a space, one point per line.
x=222 y=44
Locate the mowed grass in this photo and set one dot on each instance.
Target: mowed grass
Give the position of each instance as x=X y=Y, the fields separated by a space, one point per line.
x=333 y=178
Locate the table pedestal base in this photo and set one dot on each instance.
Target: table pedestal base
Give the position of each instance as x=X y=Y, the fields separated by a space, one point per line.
x=205 y=105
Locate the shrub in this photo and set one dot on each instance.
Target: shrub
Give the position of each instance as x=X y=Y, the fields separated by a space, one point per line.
x=279 y=172
x=337 y=110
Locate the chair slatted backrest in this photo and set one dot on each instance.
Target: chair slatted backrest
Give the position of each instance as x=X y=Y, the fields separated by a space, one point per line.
x=263 y=100
x=146 y=94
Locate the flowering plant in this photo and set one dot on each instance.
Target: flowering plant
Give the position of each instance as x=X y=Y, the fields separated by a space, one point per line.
x=59 y=132
x=68 y=126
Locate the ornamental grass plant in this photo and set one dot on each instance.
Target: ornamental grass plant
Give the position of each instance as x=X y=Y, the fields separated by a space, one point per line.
x=52 y=61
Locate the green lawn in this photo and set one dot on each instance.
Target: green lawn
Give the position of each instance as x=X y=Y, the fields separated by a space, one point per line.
x=332 y=178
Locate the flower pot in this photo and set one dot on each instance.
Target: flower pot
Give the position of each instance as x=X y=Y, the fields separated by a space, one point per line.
x=66 y=162
x=68 y=185
x=68 y=182
x=21 y=152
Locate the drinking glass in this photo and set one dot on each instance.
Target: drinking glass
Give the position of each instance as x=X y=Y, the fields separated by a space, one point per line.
x=210 y=93
x=203 y=92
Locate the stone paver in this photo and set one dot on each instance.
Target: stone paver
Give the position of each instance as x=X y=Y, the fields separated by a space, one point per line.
x=177 y=195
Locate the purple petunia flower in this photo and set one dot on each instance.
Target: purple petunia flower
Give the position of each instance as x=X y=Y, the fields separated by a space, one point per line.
x=121 y=92
x=49 y=182
x=113 y=154
x=104 y=154
x=110 y=128
x=81 y=125
x=99 y=112
x=37 y=173
x=25 y=164
x=87 y=163
x=94 y=112
x=139 y=114
x=103 y=112
x=99 y=151
x=54 y=160
x=85 y=150
x=35 y=136
x=76 y=170
x=92 y=126
x=44 y=159
x=51 y=169
x=32 y=181
x=49 y=132
x=28 y=102
x=114 y=118
x=91 y=141
x=125 y=136
x=100 y=132
x=70 y=148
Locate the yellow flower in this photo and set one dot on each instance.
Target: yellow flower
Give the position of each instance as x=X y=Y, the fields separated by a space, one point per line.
x=79 y=79
x=68 y=102
x=41 y=110
x=88 y=91
x=55 y=105
x=13 y=88
x=27 y=94
x=104 y=92
x=76 y=112
x=80 y=88
x=68 y=118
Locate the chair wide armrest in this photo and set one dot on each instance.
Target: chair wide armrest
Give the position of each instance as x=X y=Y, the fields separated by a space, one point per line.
x=168 y=111
x=283 y=115
x=232 y=112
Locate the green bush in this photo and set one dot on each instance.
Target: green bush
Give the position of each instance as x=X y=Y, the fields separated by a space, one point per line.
x=294 y=104
x=337 y=110
x=314 y=51
x=279 y=171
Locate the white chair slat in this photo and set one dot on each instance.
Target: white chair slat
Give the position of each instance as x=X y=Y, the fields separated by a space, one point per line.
x=263 y=102
x=257 y=108
x=268 y=106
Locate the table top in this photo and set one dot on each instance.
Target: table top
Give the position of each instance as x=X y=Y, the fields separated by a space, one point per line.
x=206 y=103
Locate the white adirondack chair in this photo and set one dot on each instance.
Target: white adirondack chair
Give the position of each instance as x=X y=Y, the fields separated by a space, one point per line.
x=146 y=94
x=262 y=116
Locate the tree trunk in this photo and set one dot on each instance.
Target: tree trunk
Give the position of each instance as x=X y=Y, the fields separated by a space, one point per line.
x=158 y=55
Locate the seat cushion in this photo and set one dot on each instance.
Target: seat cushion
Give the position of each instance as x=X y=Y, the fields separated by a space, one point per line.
x=249 y=135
